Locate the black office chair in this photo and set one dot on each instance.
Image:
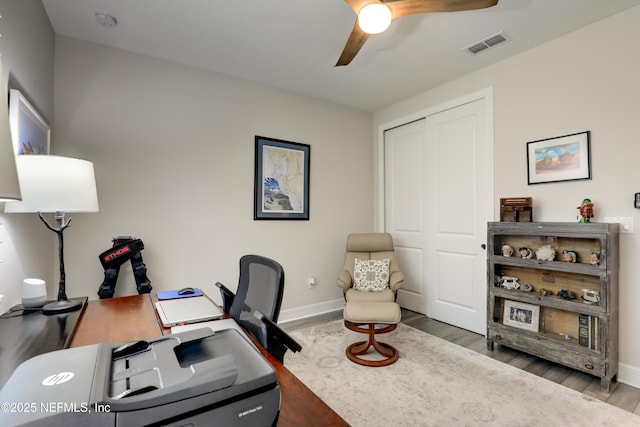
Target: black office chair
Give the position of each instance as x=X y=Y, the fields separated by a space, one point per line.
x=256 y=304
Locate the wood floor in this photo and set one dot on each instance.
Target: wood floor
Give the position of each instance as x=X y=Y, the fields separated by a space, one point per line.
x=623 y=396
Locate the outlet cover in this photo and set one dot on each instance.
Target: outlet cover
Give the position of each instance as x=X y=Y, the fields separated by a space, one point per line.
x=626 y=223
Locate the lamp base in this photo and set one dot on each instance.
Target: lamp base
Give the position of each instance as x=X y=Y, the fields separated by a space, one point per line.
x=63 y=306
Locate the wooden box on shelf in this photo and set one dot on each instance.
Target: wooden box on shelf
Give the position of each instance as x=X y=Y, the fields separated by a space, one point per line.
x=516 y=209
x=524 y=308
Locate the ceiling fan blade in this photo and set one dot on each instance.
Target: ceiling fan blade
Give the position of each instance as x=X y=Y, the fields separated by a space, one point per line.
x=354 y=44
x=356 y=5
x=401 y=8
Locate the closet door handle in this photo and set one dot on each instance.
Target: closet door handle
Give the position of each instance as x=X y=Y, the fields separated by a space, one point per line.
x=483 y=246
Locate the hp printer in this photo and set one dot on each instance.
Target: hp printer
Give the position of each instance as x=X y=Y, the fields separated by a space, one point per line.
x=194 y=378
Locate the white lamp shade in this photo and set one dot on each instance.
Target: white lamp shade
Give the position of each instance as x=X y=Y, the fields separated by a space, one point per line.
x=9 y=188
x=55 y=184
x=374 y=18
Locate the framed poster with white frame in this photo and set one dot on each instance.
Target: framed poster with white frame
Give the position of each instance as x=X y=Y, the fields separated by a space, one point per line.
x=521 y=315
x=29 y=131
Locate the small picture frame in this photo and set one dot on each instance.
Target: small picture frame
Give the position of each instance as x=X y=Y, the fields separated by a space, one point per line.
x=521 y=315
x=562 y=158
x=29 y=131
x=281 y=183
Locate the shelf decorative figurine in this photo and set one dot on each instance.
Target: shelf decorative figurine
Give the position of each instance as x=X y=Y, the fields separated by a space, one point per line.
x=569 y=256
x=546 y=253
x=509 y=282
x=525 y=252
x=507 y=250
x=566 y=294
x=585 y=211
x=590 y=296
x=525 y=287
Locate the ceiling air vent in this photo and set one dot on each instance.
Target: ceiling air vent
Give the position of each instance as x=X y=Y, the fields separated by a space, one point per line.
x=487 y=43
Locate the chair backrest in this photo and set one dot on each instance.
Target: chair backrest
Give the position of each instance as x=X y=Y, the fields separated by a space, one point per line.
x=260 y=287
x=366 y=246
x=256 y=304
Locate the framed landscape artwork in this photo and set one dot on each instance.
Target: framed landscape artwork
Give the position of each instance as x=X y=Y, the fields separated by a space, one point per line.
x=281 y=187
x=563 y=158
x=29 y=131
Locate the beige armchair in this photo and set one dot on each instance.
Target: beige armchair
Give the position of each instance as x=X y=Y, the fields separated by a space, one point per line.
x=370 y=280
x=370 y=246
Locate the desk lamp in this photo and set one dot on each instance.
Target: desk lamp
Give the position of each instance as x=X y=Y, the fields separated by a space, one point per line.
x=60 y=185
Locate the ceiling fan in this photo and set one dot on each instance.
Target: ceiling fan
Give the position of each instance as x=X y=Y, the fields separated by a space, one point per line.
x=394 y=9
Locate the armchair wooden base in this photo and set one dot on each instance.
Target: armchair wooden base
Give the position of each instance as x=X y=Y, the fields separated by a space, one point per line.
x=356 y=349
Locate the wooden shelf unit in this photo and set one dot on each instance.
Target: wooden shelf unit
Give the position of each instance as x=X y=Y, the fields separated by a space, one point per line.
x=580 y=335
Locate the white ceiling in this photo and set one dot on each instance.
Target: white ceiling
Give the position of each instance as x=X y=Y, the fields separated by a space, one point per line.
x=294 y=44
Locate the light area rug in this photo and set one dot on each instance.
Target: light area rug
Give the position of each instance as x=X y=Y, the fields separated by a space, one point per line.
x=437 y=383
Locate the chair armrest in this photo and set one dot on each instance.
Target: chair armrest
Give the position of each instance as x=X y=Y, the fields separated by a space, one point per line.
x=344 y=280
x=278 y=341
x=396 y=280
x=227 y=297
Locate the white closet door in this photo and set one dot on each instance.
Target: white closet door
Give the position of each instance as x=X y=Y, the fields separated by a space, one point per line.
x=438 y=200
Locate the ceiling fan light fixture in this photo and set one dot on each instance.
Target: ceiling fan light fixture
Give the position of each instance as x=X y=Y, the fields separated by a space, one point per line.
x=374 y=18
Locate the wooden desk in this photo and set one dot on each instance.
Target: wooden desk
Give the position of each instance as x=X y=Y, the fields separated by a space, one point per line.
x=24 y=335
x=123 y=319
x=134 y=318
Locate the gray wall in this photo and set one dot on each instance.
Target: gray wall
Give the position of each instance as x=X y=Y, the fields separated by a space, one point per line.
x=173 y=151
x=27 y=248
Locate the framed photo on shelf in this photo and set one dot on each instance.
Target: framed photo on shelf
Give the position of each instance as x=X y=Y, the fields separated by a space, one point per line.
x=29 y=131
x=563 y=158
x=281 y=183
x=521 y=315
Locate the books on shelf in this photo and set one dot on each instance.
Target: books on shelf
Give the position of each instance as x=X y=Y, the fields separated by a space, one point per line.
x=588 y=331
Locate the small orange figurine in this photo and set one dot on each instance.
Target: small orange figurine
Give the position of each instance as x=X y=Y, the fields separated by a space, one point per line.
x=586 y=211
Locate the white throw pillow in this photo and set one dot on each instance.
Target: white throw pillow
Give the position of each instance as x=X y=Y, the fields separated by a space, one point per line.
x=371 y=275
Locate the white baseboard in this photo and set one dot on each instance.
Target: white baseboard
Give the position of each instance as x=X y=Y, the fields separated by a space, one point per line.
x=297 y=313
x=629 y=375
